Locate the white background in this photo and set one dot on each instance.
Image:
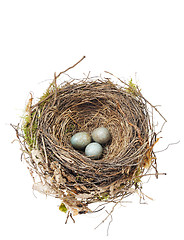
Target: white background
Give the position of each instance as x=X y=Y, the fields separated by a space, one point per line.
x=39 y=38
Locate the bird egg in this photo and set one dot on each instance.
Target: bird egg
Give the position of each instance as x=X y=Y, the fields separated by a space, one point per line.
x=94 y=150
x=80 y=140
x=101 y=135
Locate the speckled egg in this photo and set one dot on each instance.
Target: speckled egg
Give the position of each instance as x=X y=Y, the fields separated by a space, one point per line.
x=94 y=150
x=101 y=135
x=80 y=140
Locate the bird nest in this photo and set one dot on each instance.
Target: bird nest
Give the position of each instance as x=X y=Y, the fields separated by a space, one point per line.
x=61 y=171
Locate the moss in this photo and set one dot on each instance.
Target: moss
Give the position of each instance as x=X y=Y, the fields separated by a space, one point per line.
x=70 y=128
x=133 y=88
x=104 y=196
x=63 y=208
x=51 y=89
x=45 y=94
x=137 y=179
x=29 y=130
x=43 y=97
x=29 y=127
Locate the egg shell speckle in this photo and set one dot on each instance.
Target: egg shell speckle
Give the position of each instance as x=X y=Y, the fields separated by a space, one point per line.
x=94 y=150
x=101 y=135
x=80 y=140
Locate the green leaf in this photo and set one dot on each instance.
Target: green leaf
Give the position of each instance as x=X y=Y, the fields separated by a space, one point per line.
x=63 y=208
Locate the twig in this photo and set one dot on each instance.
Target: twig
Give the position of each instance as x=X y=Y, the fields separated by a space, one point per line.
x=67 y=217
x=72 y=218
x=55 y=78
x=46 y=159
x=168 y=146
x=109 y=214
x=150 y=174
x=95 y=211
x=109 y=225
x=55 y=93
x=70 y=67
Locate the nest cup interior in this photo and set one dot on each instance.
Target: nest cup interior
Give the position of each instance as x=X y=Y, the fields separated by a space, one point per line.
x=85 y=106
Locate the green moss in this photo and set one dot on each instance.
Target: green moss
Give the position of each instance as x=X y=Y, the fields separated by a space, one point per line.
x=104 y=196
x=45 y=94
x=137 y=178
x=44 y=97
x=29 y=130
x=70 y=128
x=133 y=88
x=63 y=208
x=29 y=126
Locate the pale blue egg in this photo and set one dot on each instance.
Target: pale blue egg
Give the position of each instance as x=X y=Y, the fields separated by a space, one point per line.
x=94 y=150
x=80 y=140
x=101 y=135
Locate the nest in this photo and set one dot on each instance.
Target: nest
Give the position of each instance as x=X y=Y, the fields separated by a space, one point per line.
x=60 y=170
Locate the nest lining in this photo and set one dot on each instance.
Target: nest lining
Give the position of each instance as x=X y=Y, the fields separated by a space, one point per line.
x=84 y=105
